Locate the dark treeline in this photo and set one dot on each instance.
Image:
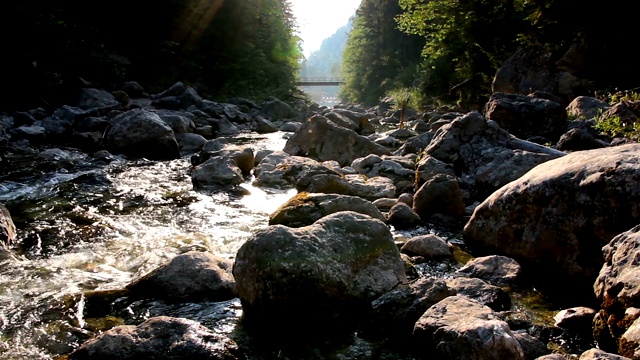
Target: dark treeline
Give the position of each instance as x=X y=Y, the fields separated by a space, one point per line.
x=467 y=41
x=223 y=47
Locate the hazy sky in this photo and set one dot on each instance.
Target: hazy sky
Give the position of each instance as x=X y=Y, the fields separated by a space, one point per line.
x=319 y=19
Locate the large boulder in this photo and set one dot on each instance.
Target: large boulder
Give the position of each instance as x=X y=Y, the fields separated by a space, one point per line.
x=484 y=156
x=141 y=133
x=326 y=272
x=555 y=219
x=526 y=116
x=159 y=338
x=460 y=328
x=321 y=139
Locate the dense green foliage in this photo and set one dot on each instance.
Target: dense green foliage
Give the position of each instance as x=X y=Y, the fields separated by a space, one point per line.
x=378 y=57
x=466 y=41
x=222 y=47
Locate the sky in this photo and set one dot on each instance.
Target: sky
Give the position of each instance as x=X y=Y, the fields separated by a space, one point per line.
x=319 y=19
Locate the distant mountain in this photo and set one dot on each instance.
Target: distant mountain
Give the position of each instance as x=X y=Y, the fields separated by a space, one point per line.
x=327 y=60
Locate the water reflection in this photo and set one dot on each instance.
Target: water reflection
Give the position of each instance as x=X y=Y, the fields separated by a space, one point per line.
x=98 y=227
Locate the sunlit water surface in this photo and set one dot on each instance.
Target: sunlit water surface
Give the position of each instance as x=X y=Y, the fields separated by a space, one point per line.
x=98 y=227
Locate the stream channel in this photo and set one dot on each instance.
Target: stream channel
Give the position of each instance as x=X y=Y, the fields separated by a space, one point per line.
x=87 y=223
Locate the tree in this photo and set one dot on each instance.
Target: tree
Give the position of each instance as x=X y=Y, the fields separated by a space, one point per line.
x=378 y=57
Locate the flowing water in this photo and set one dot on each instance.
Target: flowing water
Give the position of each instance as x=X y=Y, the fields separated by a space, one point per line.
x=94 y=224
x=85 y=226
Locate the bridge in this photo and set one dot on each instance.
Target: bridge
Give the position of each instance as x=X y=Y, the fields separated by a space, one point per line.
x=320 y=81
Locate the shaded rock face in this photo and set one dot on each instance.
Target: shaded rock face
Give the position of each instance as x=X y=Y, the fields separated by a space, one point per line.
x=329 y=271
x=191 y=276
x=525 y=116
x=141 y=133
x=555 y=219
x=397 y=311
x=322 y=140
x=484 y=156
x=161 y=338
x=460 y=328
x=306 y=208
x=618 y=290
x=533 y=69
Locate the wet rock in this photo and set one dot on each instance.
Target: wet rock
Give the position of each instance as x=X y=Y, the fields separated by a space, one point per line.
x=306 y=208
x=140 y=133
x=190 y=143
x=217 y=172
x=161 y=338
x=321 y=139
x=34 y=134
x=402 y=216
x=263 y=126
x=428 y=246
x=396 y=312
x=478 y=290
x=555 y=219
x=531 y=347
x=460 y=328
x=279 y=169
x=552 y=357
x=328 y=272
x=577 y=318
x=7 y=228
x=192 y=276
x=495 y=269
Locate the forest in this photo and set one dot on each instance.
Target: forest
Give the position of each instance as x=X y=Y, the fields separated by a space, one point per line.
x=222 y=48
x=249 y=48
x=432 y=47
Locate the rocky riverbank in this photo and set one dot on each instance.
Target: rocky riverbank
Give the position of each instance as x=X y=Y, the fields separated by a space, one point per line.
x=331 y=264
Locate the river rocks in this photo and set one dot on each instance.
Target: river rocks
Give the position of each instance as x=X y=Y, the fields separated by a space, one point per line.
x=617 y=288
x=322 y=140
x=192 y=276
x=324 y=272
x=161 y=338
x=484 y=156
x=498 y=270
x=556 y=218
x=396 y=312
x=597 y=354
x=90 y=98
x=525 y=116
x=439 y=195
x=576 y=318
x=577 y=139
x=428 y=246
x=460 y=328
x=217 y=172
x=279 y=169
x=7 y=228
x=586 y=107
x=402 y=216
x=306 y=208
x=141 y=133
x=478 y=290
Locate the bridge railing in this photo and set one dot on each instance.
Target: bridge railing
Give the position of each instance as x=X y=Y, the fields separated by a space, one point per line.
x=321 y=79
